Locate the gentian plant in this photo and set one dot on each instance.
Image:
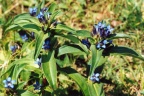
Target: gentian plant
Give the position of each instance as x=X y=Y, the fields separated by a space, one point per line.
x=56 y=48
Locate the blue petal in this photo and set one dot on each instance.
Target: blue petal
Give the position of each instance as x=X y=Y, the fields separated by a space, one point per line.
x=11 y=86
x=9 y=79
x=5 y=85
x=4 y=81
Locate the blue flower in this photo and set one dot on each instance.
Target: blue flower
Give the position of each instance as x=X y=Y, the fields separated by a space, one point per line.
x=23 y=35
x=41 y=17
x=37 y=86
x=46 y=44
x=9 y=83
x=38 y=61
x=13 y=48
x=95 y=77
x=86 y=42
x=102 y=30
x=33 y=11
x=104 y=44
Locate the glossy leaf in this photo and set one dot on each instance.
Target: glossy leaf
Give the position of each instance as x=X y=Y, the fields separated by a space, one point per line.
x=125 y=51
x=119 y=35
x=19 y=61
x=52 y=7
x=53 y=16
x=26 y=17
x=65 y=62
x=83 y=33
x=18 y=68
x=97 y=59
x=28 y=93
x=65 y=28
x=71 y=37
x=39 y=42
x=25 y=26
x=49 y=69
x=69 y=49
x=96 y=88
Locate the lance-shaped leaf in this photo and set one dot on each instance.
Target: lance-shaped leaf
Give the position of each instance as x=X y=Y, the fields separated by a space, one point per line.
x=119 y=35
x=25 y=26
x=124 y=51
x=52 y=7
x=25 y=17
x=17 y=69
x=70 y=49
x=97 y=88
x=86 y=87
x=39 y=42
x=19 y=61
x=70 y=37
x=97 y=59
x=83 y=33
x=26 y=93
x=65 y=28
x=49 y=69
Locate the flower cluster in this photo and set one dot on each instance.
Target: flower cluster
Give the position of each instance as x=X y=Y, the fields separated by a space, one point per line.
x=103 y=31
x=33 y=11
x=104 y=44
x=43 y=15
x=86 y=42
x=46 y=44
x=13 y=48
x=9 y=83
x=95 y=77
x=23 y=35
x=37 y=86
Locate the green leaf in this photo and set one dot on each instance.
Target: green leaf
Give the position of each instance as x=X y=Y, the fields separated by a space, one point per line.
x=25 y=26
x=119 y=35
x=69 y=49
x=39 y=42
x=52 y=7
x=30 y=27
x=18 y=61
x=87 y=89
x=25 y=17
x=65 y=28
x=65 y=62
x=97 y=59
x=96 y=88
x=71 y=37
x=21 y=85
x=18 y=68
x=9 y=69
x=11 y=27
x=28 y=93
x=125 y=51
x=56 y=13
x=83 y=33
x=49 y=69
